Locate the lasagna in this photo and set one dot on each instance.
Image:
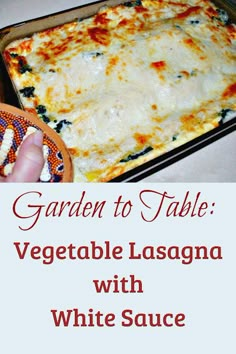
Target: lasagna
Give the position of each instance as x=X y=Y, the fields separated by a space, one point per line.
x=130 y=83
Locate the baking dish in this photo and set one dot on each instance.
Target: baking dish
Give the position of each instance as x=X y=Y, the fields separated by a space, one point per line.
x=30 y=27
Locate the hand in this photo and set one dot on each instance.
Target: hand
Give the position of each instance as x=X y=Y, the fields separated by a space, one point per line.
x=29 y=162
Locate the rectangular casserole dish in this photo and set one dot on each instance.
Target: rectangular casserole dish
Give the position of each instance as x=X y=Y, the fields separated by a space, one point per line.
x=176 y=152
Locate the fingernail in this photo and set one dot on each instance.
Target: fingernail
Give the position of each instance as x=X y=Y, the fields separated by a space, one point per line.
x=38 y=138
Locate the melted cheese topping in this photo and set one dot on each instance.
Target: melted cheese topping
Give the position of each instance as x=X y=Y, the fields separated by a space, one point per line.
x=129 y=83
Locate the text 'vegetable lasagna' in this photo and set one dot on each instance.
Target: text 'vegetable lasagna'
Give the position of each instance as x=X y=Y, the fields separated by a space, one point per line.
x=130 y=83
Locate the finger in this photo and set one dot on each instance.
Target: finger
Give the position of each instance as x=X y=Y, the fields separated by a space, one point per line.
x=30 y=160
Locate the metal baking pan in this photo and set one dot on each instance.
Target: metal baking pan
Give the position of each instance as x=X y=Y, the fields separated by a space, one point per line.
x=25 y=29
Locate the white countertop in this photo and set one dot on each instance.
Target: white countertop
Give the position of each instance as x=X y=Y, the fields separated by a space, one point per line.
x=214 y=163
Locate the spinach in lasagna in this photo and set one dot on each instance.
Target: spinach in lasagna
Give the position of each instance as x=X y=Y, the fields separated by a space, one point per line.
x=131 y=82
